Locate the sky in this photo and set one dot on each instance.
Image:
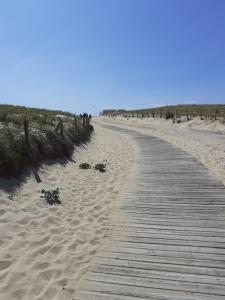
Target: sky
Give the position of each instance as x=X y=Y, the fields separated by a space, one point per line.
x=89 y=55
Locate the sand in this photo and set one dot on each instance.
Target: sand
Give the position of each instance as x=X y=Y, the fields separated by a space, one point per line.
x=203 y=139
x=46 y=250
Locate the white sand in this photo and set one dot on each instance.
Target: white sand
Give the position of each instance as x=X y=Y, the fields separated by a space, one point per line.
x=45 y=249
x=203 y=139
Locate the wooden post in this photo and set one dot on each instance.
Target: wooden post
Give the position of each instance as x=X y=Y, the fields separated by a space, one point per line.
x=26 y=132
x=75 y=124
x=187 y=115
x=86 y=120
x=216 y=112
x=61 y=128
x=83 y=117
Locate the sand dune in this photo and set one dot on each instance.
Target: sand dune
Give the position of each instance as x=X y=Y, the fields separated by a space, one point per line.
x=203 y=139
x=45 y=249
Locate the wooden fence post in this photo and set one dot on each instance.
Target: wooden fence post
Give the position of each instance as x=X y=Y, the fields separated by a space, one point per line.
x=61 y=128
x=83 y=116
x=26 y=132
x=75 y=124
x=187 y=115
x=215 y=116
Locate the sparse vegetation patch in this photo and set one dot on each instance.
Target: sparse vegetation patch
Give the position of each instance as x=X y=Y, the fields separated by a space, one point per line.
x=100 y=167
x=29 y=136
x=85 y=166
x=52 y=197
x=186 y=112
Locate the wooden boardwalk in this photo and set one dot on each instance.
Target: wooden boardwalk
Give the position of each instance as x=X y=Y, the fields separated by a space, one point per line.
x=168 y=240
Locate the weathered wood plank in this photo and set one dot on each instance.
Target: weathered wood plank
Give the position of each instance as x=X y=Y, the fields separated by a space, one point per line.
x=168 y=239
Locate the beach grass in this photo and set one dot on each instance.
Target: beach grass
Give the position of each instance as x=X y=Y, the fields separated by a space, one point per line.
x=203 y=111
x=29 y=136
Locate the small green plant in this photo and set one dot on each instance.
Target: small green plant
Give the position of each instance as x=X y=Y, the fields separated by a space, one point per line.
x=52 y=197
x=100 y=167
x=85 y=166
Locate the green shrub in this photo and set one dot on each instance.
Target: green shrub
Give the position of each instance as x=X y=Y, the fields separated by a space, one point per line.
x=85 y=166
x=100 y=167
x=52 y=197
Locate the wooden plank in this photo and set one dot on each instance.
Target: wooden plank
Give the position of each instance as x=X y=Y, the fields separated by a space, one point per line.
x=147 y=280
x=167 y=241
x=170 y=264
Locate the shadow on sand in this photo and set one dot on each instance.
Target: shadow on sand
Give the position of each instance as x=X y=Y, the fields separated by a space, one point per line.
x=12 y=185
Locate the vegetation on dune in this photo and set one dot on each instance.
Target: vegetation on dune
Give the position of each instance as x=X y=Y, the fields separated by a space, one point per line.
x=85 y=166
x=51 y=197
x=203 y=111
x=16 y=110
x=99 y=167
x=29 y=136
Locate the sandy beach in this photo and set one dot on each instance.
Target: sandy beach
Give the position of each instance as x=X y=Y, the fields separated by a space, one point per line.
x=45 y=250
x=112 y=150
x=203 y=139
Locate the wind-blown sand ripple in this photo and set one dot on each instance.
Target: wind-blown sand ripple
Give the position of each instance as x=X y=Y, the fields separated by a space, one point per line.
x=45 y=249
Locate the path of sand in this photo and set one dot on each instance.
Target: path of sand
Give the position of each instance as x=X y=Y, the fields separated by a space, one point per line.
x=45 y=250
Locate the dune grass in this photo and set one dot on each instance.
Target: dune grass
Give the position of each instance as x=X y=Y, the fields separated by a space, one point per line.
x=203 y=111
x=29 y=135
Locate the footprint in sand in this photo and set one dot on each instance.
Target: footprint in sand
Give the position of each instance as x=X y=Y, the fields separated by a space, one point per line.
x=40 y=242
x=4 y=264
x=75 y=222
x=72 y=247
x=48 y=274
x=41 y=265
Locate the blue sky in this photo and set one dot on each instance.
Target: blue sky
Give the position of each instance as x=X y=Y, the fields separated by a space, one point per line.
x=87 y=55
